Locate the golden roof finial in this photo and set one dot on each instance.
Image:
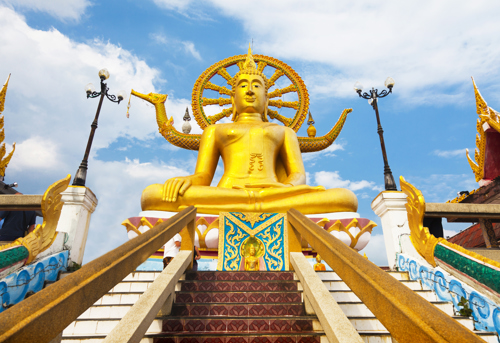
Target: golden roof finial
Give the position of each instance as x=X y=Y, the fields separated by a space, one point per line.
x=4 y=161
x=481 y=106
x=3 y=92
x=249 y=62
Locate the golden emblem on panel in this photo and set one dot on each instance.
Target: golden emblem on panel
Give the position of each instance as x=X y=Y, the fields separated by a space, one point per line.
x=251 y=252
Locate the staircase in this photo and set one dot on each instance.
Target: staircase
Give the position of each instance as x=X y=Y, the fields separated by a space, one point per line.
x=239 y=307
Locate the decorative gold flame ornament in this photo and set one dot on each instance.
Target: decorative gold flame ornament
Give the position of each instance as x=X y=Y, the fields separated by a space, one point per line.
x=263 y=168
x=4 y=161
x=421 y=238
x=486 y=115
x=44 y=235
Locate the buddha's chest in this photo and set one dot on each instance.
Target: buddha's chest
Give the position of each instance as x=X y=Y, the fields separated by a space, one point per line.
x=251 y=138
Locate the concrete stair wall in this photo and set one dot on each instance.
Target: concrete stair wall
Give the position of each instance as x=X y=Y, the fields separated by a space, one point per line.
x=271 y=305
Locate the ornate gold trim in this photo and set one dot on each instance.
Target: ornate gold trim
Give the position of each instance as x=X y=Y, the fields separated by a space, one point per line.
x=421 y=238
x=42 y=237
x=219 y=68
x=4 y=161
x=338 y=226
x=486 y=115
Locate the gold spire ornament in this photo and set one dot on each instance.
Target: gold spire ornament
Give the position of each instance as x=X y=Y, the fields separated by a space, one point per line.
x=311 y=130
x=491 y=118
x=4 y=161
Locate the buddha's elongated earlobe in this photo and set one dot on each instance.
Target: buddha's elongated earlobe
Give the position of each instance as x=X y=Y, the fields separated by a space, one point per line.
x=235 y=115
x=265 y=111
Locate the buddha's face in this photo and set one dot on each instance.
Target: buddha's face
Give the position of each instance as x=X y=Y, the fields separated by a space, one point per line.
x=252 y=251
x=250 y=95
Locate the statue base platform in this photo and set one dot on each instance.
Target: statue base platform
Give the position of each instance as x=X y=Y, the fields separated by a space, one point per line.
x=224 y=240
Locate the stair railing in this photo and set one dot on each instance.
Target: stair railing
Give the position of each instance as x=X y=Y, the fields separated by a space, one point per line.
x=44 y=315
x=406 y=315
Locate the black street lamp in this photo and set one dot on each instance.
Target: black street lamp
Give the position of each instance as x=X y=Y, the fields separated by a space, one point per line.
x=390 y=185
x=81 y=173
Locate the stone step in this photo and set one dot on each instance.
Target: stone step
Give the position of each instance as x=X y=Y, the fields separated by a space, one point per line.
x=345 y=296
x=359 y=309
x=317 y=337
x=276 y=325
x=231 y=309
x=196 y=325
x=332 y=276
x=232 y=285
x=239 y=297
x=385 y=337
x=239 y=276
x=341 y=285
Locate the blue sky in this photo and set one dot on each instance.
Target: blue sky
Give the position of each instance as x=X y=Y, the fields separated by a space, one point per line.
x=54 y=48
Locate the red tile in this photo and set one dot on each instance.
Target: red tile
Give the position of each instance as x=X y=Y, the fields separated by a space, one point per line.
x=199 y=310
x=220 y=297
x=310 y=339
x=219 y=310
x=237 y=340
x=283 y=339
x=237 y=325
x=260 y=339
x=273 y=298
x=172 y=325
x=194 y=325
x=206 y=286
x=277 y=310
x=223 y=286
x=258 y=325
x=202 y=298
x=215 y=325
x=301 y=325
x=183 y=298
x=256 y=297
x=238 y=310
x=240 y=286
x=237 y=297
x=280 y=325
x=257 y=310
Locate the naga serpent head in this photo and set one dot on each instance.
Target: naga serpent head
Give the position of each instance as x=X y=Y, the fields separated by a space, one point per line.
x=152 y=98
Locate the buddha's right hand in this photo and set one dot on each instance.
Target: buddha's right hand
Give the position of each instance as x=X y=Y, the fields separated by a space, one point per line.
x=174 y=187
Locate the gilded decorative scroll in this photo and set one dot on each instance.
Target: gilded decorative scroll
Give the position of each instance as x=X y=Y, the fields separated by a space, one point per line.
x=423 y=241
x=44 y=235
x=237 y=229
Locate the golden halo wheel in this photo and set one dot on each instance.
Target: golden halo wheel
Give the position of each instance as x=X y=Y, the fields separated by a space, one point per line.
x=281 y=69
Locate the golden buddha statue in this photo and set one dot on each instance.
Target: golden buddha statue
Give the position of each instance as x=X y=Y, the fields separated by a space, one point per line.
x=318 y=266
x=263 y=168
x=251 y=261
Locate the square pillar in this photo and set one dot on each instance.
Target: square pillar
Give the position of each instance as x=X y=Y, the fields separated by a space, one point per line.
x=79 y=204
x=390 y=207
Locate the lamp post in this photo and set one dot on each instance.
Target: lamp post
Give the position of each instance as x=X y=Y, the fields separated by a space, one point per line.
x=373 y=97
x=81 y=173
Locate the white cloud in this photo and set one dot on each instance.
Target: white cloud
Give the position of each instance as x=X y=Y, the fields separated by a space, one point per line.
x=186 y=46
x=420 y=44
x=36 y=153
x=61 y=9
x=450 y=153
x=328 y=152
x=375 y=250
x=189 y=47
x=119 y=185
x=333 y=180
x=176 y=5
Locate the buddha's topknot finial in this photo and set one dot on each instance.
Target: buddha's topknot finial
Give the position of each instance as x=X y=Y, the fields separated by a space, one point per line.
x=249 y=62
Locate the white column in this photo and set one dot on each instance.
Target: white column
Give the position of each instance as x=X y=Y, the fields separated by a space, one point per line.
x=79 y=204
x=390 y=207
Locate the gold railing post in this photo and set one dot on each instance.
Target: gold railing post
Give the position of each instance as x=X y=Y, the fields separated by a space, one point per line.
x=294 y=241
x=188 y=237
x=406 y=315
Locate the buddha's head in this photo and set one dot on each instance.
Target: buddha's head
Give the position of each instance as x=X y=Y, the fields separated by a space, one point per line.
x=318 y=258
x=249 y=88
x=251 y=251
